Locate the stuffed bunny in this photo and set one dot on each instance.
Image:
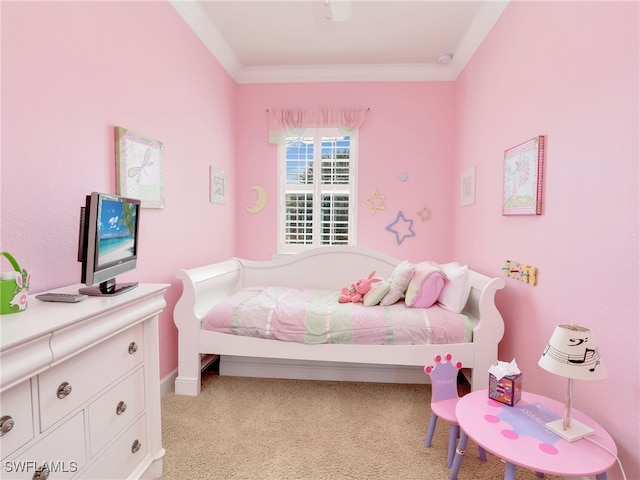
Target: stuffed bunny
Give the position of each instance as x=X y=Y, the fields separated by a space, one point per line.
x=357 y=290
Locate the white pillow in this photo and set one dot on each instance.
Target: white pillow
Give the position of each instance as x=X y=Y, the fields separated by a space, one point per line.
x=399 y=281
x=456 y=290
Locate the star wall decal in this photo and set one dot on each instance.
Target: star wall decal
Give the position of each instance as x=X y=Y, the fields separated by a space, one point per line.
x=424 y=214
x=401 y=227
x=375 y=201
x=404 y=177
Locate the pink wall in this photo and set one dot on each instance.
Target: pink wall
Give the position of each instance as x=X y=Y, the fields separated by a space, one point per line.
x=71 y=72
x=581 y=90
x=409 y=129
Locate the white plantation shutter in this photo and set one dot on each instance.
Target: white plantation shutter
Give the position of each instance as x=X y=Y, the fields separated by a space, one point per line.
x=317 y=190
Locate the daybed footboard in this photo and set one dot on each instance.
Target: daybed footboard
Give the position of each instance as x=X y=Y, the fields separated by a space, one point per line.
x=488 y=330
x=203 y=287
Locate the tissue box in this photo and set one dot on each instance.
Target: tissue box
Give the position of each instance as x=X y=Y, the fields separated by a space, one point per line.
x=507 y=390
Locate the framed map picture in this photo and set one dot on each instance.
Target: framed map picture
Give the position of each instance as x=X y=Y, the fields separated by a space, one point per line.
x=468 y=187
x=522 y=183
x=139 y=168
x=217 y=185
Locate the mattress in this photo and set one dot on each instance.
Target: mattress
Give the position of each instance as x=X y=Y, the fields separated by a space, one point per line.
x=314 y=316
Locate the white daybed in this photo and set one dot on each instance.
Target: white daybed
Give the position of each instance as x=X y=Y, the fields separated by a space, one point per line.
x=327 y=268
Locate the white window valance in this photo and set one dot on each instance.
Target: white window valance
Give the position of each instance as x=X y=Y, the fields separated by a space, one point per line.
x=284 y=123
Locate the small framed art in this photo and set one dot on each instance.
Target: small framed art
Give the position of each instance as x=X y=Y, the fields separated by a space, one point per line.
x=217 y=185
x=468 y=187
x=522 y=182
x=140 y=168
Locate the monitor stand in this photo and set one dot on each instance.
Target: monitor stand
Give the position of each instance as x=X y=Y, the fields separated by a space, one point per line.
x=108 y=288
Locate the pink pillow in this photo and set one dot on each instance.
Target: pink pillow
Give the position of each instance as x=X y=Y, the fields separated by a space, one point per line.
x=425 y=286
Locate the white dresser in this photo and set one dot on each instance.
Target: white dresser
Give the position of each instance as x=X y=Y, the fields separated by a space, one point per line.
x=80 y=388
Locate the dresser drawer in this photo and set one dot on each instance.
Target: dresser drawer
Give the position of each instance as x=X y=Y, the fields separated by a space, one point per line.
x=117 y=408
x=62 y=452
x=121 y=458
x=16 y=418
x=86 y=374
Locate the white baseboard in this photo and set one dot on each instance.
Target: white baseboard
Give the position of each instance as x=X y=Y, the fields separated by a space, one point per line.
x=308 y=370
x=167 y=383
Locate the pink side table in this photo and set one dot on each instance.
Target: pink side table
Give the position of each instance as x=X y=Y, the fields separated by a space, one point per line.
x=518 y=436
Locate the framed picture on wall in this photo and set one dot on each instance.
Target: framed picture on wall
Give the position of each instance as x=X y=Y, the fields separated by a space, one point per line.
x=468 y=187
x=217 y=185
x=139 y=168
x=522 y=178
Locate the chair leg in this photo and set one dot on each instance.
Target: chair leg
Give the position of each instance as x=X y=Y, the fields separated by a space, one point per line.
x=455 y=468
x=430 y=430
x=453 y=438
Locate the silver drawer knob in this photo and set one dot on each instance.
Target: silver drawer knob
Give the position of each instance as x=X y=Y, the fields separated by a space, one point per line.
x=6 y=424
x=41 y=474
x=121 y=408
x=133 y=348
x=136 y=446
x=64 y=389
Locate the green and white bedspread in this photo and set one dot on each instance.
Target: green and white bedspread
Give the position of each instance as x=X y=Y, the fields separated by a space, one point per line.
x=314 y=316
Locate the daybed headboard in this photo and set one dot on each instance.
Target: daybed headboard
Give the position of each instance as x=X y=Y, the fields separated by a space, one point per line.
x=304 y=269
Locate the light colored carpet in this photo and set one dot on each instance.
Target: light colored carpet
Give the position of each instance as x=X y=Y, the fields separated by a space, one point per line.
x=264 y=429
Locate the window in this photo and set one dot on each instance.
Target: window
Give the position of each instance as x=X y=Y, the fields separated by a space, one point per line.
x=317 y=190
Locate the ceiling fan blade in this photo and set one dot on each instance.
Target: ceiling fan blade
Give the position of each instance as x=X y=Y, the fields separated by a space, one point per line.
x=321 y=17
x=339 y=10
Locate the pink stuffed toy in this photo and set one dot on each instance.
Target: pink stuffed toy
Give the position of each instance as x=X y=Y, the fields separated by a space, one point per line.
x=357 y=290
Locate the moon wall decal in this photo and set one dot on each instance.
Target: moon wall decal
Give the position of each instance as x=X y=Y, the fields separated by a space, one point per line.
x=261 y=201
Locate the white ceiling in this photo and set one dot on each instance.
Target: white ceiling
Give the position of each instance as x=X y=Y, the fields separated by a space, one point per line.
x=265 y=41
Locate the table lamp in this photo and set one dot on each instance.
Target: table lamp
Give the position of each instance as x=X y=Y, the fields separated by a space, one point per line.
x=572 y=352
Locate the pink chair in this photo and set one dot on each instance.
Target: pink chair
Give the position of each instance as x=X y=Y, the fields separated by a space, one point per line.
x=444 y=398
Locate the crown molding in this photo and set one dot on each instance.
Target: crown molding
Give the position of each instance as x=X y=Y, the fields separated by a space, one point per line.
x=484 y=21
x=346 y=73
x=197 y=19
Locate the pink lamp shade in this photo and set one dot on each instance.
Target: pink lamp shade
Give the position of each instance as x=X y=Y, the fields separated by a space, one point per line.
x=572 y=352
